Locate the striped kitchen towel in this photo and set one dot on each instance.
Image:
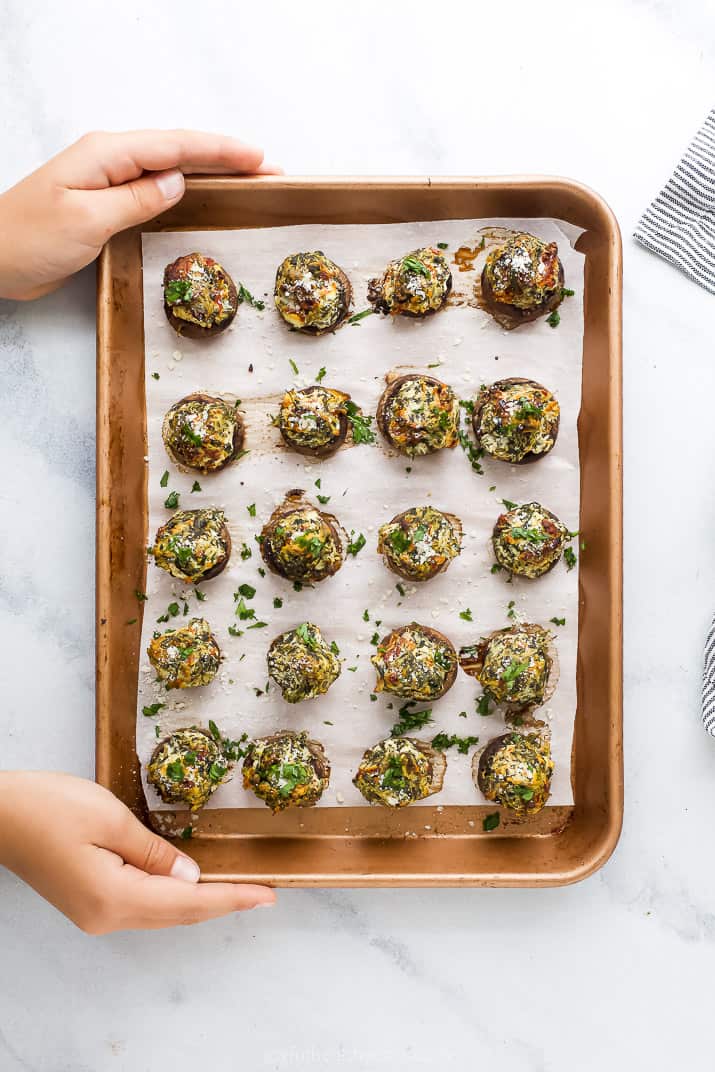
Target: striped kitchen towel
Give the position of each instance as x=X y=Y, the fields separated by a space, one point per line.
x=680 y=224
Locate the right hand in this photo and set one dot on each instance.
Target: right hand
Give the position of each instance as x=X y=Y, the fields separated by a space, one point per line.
x=85 y=852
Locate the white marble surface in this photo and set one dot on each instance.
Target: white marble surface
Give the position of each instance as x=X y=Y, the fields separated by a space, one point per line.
x=614 y=971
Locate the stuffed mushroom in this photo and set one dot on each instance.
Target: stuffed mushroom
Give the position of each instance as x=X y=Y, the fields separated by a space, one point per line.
x=516 y=420
x=418 y=415
x=200 y=298
x=302 y=543
x=400 y=770
x=312 y=294
x=515 y=770
x=286 y=770
x=414 y=285
x=529 y=540
x=420 y=543
x=187 y=657
x=187 y=767
x=522 y=280
x=514 y=666
x=415 y=662
x=314 y=420
x=302 y=664
x=193 y=545
x=203 y=433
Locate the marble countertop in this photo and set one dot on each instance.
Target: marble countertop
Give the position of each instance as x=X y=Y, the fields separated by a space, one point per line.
x=393 y=979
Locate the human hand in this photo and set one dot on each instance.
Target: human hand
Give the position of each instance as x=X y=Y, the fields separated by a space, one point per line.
x=84 y=851
x=56 y=220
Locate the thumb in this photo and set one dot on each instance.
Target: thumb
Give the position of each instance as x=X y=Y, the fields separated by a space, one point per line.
x=136 y=202
x=150 y=853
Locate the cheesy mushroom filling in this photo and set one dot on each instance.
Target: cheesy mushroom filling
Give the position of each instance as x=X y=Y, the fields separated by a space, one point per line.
x=398 y=771
x=312 y=294
x=516 y=420
x=302 y=664
x=529 y=540
x=202 y=433
x=286 y=770
x=415 y=662
x=419 y=415
x=413 y=285
x=193 y=545
x=523 y=277
x=512 y=665
x=515 y=771
x=302 y=543
x=314 y=420
x=186 y=657
x=199 y=293
x=420 y=543
x=187 y=768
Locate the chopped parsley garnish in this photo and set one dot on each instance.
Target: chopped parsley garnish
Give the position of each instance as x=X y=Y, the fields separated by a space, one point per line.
x=558 y=621
x=496 y=568
x=287 y=777
x=468 y=405
x=466 y=615
x=362 y=432
x=277 y=602
x=554 y=319
x=246 y=551
x=356 y=545
x=164 y=479
x=247 y=590
x=483 y=705
x=443 y=245
x=258 y=625
x=334 y=648
x=400 y=588
x=366 y=615
x=512 y=672
x=141 y=596
x=201 y=596
x=293 y=365
x=172 y=500
x=473 y=453
x=490 y=822
x=524 y=792
x=192 y=436
x=177 y=291
x=400 y=542
x=510 y=612
x=175 y=770
x=252 y=509
x=242 y=611
x=245 y=295
x=357 y=317
x=321 y=374
x=412 y=264
x=566 y=293
x=152 y=709
x=323 y=499
x=187 y=833
x=443 y=741
x=234 y=631
x=216 y=771
x=532 y=535
x=375 y=639
x=569 y=558
x=303 y=631
x=509 y=504
x=411 y=720
x=155 y=375
x=196 y=486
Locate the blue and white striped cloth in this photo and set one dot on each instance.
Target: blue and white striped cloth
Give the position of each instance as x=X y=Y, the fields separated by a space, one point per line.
x=680 y=224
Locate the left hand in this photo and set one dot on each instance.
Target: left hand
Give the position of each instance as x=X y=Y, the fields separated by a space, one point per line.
x=56 y=220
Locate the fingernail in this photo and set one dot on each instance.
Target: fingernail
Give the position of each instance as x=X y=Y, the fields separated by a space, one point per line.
x=267 y=168
x=264 y=904
x=185 y=869
x=171 y=184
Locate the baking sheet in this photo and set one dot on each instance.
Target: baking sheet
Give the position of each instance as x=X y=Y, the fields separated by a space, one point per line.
x=367 y=486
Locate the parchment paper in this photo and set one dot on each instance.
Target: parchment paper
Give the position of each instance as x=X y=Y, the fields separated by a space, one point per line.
x=367 y=486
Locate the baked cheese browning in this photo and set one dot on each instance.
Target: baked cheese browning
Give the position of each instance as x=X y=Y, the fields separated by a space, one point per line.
x=302 y=543
x=200 y=298
x=415 y=662
x=203 y=433
x=414 y=285
x=312 y=294
x=186 y=657
x=400 y=770
x=529 y=540
x=419 y=415
x=286 y=770
x=314 y=420
x=515 y=771
x=302 y=664
x=187 y=767
x=420 y=543
x=193 y=545
x=516 y=420
x=512 y=665
x=523 y=278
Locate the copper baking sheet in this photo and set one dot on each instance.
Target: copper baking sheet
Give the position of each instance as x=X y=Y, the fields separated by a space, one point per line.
x=364 y=847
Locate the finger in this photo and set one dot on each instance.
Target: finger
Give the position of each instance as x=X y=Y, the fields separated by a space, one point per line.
x=146 y=851
x=119 y=207
x=152 y=901
x=106 y=159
